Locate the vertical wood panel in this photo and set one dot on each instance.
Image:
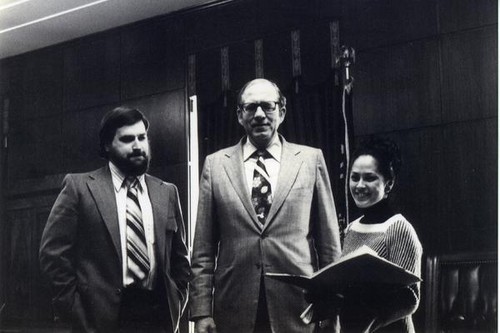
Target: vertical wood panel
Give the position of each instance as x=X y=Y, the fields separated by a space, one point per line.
x=20 y=263
x=278 y=59
x=42 y=84
x=397 y=87
x=28 y=296
x=5 y=74
x=315 y=52
x=470 y=178
x=4 y=107
x=34 y=85
x=278 y=16
x=421 y=186
x=369 y=23
x=92 y=72
x=470 y=67
x=80 y=131
x=35 y=148
x=329 y=9
x=457 y=15
x=241 y=63
x=152 y=60
x=208 y=78
x=41 y=294
x=221 y=25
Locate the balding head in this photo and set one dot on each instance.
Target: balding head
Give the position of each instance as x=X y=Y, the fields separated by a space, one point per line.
x=271 y=84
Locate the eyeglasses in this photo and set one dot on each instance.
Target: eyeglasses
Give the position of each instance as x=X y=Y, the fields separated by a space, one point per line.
x=267 y=107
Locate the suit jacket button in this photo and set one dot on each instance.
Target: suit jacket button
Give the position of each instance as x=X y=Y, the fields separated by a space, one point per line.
x=118 y=291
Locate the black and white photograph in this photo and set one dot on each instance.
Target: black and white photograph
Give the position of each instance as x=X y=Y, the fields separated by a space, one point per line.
x=249 y=166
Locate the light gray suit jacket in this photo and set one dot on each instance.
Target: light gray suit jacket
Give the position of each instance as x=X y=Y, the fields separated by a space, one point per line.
x=80 y=251
x=232 y=251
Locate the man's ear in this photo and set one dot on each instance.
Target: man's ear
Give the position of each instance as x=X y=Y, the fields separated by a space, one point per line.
x=282 y=113
x=389 y=185
x=240 y=116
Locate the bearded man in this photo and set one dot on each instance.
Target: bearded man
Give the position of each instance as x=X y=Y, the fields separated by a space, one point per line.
x=114 y=246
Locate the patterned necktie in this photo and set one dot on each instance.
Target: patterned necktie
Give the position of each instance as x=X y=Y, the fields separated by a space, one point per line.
x=137 y=252
x=261 y=187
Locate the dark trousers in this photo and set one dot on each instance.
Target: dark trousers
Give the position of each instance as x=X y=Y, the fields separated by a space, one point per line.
x=145 y=311
x=262 y=324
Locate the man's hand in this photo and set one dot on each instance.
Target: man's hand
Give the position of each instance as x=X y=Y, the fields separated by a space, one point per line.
x=205 y=325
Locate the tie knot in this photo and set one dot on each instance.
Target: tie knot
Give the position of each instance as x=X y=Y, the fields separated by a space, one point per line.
x=262 y=153
x=131 y=182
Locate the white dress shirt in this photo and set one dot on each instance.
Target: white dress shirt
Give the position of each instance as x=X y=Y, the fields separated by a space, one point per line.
x=147 y=219
x=272 y=164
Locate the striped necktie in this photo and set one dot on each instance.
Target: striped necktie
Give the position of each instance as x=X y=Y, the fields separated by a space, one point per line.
x=261 y=187
x=138 y=264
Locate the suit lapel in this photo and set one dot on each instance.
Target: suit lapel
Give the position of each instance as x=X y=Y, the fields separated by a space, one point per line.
x=236 y=173
x=101 y=187
x=160 y=208
x=289 y=169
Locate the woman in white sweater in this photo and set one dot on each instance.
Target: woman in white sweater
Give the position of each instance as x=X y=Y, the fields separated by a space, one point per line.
x=373 y=172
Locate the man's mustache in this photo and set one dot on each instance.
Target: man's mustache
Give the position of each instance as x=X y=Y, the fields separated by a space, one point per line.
x=137 y=154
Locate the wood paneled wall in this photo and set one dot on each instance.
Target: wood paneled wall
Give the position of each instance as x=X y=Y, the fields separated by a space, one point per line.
x=425 y=74
x=58 y=96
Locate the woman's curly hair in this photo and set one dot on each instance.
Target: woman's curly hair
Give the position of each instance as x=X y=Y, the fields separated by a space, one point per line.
x=385 y=151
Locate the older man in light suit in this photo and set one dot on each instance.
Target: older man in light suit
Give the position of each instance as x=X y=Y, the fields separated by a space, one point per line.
x=265 y=205
x=113 y=248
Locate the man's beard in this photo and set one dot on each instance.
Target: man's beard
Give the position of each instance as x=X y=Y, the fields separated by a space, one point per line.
x=129 y=166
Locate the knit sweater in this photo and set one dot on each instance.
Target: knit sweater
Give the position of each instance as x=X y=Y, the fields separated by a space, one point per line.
x=395 y=240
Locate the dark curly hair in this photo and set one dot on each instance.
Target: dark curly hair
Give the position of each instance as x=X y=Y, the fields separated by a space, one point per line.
x=385 y=151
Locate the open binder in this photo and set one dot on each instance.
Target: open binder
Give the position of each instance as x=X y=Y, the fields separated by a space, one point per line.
x=362 y=266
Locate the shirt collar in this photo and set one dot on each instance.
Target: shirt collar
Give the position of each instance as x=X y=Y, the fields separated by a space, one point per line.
x=118 y=178
x=274 y=149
